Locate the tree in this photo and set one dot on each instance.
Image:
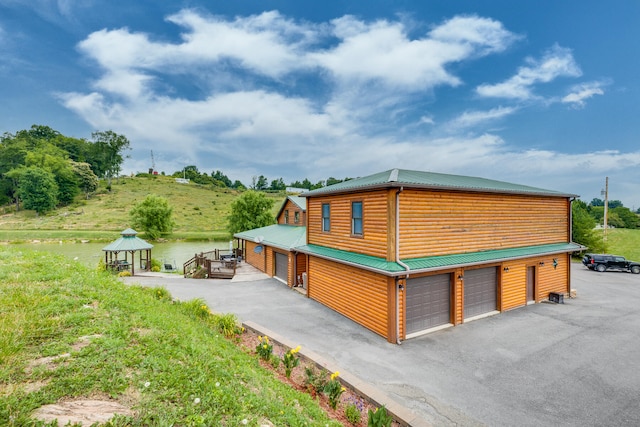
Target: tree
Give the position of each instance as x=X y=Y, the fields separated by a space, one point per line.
x=38 y=189
x=260 y=183
x=87 y=180
x=250 y=210
x=278 y=185
x=107 y=155
x=153 y=216
x=583 y=227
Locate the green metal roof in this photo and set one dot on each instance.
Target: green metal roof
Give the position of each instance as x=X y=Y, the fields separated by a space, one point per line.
x=128 y=242
x=277 y=235
x=433 y=263
x=301 y=202
x=363 y=261
x=430 y=180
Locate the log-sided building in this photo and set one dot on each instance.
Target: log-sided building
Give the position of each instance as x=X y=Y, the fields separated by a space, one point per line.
x=404 y=252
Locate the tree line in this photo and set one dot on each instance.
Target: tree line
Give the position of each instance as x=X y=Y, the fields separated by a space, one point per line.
x=44 y=169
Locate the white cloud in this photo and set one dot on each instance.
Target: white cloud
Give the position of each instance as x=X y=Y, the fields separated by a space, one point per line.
x=358 y=114
x=383 y=51
x=475 y=118
x=580 y=93
x=556 y=62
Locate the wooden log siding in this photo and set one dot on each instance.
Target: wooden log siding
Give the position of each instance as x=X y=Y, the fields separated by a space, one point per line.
x=292 y=208
x=256 y=260
x=360 y=295
x=374 y=238
x=301 y=266
x=441 y=223
x=548 y=279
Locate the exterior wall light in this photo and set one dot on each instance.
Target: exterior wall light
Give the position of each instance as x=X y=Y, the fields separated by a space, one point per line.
x=506 y=269
x=541 y=263
x=460 y=277
x=555 y=262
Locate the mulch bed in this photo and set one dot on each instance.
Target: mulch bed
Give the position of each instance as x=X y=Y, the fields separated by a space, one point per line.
x=248 y=342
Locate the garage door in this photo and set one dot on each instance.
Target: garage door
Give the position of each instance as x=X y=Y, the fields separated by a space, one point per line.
x=428 y=302
x=282 y=264
x=480 y=290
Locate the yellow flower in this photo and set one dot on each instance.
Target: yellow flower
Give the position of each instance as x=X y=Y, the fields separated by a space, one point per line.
x=297 y=349
x=260 y=338
x=264 y=346
x=343 y=389
x=266 y=339
x=335 y=375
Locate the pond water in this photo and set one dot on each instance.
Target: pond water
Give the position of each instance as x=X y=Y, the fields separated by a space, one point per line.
x=176 y=253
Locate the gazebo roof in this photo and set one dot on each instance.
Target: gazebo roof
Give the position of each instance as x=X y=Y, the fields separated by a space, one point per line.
x=128 y=242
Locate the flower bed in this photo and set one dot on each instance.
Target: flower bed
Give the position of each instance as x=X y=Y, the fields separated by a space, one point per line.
x=339 y=401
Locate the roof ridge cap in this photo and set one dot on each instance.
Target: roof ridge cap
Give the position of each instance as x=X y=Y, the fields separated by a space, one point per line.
x=393 y=176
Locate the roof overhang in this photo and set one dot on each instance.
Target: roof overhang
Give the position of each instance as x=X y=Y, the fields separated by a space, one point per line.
x=435 y=263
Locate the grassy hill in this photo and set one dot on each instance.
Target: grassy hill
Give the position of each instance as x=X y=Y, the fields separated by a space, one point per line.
x=69 y=333
x=200 y=212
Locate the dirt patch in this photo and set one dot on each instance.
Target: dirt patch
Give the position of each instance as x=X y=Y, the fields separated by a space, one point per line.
x=81 y=411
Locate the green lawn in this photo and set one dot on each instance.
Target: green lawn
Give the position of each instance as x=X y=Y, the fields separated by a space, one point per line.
x=200 y=212
x=167 y=361
x=625 y=242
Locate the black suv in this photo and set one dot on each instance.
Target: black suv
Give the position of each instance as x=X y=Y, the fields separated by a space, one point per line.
x=604 y=262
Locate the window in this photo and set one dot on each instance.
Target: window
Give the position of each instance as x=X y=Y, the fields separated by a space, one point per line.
x=356 y=218
x=326 y=217
x=286 y=217
x=296 y=217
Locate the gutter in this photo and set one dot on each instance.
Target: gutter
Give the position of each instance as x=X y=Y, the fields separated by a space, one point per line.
x=399 y=261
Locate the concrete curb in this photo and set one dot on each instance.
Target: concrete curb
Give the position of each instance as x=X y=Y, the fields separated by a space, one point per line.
x=400 y=413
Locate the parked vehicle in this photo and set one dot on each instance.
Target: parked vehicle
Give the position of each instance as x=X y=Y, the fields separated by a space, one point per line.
x=604 y=262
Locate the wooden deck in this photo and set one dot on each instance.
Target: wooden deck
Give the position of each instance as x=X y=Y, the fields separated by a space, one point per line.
x=216 y=264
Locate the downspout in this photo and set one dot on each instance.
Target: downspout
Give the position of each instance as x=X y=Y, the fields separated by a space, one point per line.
x=399 y=261
x=571 y=200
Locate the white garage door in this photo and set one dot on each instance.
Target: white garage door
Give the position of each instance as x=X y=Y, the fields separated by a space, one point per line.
x=480 y=291
x=428 y=302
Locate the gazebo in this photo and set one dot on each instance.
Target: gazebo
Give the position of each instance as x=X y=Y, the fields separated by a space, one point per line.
x=129 y=244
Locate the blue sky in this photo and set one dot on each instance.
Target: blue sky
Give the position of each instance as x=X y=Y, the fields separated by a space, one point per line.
x=542 y=93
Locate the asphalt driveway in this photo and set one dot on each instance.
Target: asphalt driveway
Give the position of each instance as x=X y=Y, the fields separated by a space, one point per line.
x=572 y=364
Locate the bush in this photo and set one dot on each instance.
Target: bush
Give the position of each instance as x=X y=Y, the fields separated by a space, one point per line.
x=379 y=418
x=264 y=348
x=352 y=414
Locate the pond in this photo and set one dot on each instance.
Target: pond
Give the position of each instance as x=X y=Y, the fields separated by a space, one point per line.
x=90 y=254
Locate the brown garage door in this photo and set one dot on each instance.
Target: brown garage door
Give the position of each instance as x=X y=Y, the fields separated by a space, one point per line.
x=480 y=290
x=428 y=302
x=282 y=264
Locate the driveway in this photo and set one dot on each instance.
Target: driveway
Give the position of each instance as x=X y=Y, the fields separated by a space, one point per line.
x=572 y=364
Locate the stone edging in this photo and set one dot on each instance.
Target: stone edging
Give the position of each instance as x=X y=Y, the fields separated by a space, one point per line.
x=400 y=413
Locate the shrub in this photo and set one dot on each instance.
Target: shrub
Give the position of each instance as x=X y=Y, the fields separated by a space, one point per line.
x=379 y=418
x=352 y=414
x=315 y=381
x=227 y=324
x=264 y=348
x=290 y=360
x=333 y=389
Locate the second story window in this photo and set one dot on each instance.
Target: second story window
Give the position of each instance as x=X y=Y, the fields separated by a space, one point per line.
x=286 y=217
x=326 y=217
x=296 y=217
x=356 y=218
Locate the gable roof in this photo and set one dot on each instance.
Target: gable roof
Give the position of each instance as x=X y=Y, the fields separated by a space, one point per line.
x=280 y=236
x=433 y=181
x=300 y=202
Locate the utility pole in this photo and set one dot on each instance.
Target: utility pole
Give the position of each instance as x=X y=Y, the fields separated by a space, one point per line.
x=606 y=207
